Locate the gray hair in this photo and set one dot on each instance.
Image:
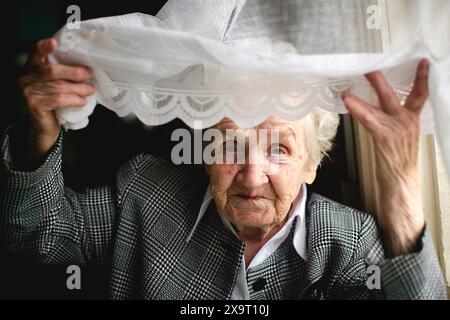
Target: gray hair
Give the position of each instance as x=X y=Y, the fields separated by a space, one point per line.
x=320 y=129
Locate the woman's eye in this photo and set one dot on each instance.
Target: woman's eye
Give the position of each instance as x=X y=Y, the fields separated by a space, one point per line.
x=277 y=150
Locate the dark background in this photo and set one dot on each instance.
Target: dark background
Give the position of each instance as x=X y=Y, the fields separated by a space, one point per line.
x=93 y=155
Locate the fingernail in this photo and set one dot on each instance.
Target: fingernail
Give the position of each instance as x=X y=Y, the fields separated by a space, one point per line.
x=48 y=44
x=345 y=94
x=426 y=66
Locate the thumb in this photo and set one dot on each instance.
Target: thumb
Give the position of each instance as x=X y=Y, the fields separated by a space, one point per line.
x=43 y=49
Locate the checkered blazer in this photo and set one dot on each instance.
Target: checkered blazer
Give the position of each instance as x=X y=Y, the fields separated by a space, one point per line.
x=140 y=225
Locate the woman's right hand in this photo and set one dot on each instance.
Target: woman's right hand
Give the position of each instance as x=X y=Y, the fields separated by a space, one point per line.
x=46 y=88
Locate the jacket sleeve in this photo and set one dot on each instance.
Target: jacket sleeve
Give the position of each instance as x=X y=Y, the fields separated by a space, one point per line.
x=42 y=217
x=407 y=277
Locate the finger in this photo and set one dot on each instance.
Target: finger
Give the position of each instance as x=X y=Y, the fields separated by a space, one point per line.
x=63 y=72
x=63 y=100
x=62 y=86
x=419 y=93
x=56 y=87
x=46 y=46
x=388 y=100
x=43 y=49
x=366 y=114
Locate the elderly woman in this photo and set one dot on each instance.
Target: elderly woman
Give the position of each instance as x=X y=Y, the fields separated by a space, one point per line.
x=252 y=233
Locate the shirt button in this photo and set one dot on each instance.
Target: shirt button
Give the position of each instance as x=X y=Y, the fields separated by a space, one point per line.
x=259 y=284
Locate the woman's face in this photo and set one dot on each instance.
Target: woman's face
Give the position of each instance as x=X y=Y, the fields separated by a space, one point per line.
x=256 y=195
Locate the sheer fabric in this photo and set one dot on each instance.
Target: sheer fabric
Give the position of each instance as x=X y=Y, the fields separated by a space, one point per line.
x=202 y=61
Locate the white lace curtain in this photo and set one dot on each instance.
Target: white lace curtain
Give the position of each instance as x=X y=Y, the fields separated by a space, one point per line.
x=201 y=61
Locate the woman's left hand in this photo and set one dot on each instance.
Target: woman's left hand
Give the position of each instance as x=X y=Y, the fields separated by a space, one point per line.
x=395 y=131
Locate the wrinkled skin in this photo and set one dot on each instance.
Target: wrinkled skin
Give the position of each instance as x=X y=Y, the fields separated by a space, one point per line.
x=255 y=198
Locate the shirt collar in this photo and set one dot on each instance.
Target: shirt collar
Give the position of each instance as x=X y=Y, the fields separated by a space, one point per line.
x=297 y=210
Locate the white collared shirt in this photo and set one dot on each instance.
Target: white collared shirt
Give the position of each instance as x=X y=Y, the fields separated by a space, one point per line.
x=240 y=290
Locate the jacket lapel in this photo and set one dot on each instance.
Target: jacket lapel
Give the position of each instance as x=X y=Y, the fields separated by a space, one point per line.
x=319 y=248
x=206 y=265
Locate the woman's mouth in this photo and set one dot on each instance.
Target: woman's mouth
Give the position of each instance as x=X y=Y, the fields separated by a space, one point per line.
x=250 y=198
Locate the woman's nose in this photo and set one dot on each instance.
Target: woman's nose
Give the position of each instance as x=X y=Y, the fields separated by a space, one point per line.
x=252 y=175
